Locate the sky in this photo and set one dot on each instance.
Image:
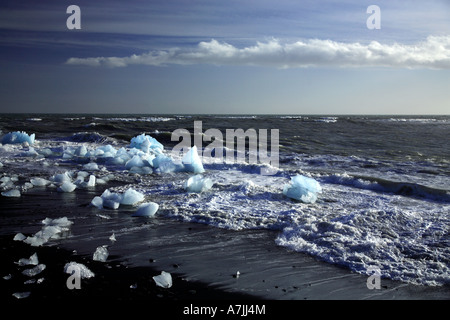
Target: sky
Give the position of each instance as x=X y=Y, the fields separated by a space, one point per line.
x=221 y=57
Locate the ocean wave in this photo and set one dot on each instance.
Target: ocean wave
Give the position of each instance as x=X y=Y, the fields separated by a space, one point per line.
x=408 y=189
x=86 y=137
x=135 y=119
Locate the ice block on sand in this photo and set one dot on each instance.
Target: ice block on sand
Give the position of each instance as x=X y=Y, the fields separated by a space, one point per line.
x=302 y=188
x=164 y=280
x=147 y=209
x=192 y=161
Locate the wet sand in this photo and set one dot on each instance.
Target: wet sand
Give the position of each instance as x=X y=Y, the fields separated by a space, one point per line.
x=203 y=261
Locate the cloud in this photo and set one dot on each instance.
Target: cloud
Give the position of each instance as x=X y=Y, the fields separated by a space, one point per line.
x=433 y=53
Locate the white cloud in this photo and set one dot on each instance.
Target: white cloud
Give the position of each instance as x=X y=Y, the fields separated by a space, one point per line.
x=433 y=53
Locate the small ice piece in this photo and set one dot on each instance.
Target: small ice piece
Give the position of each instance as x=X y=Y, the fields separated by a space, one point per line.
x=110 y=204
x=192 y=161
x=21 y=295
x=8 y=277
x=92 y=166
x=61 y=177
x=97 y=202
x=67 y=187
x=147 y=209
x=131 y=197
x=18 y=137
x=113 y=237
x=302 y=188
x=34 y=271
x=13 y=193
x=101 y=254
x=39 y=182
x=33 y=260
x=164 y=280
x=198 y=183
x=80 y=151
x=88 y=184
x=19 y=237
x=84 y=272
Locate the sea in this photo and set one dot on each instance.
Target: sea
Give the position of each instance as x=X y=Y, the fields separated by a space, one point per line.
x=384 y=205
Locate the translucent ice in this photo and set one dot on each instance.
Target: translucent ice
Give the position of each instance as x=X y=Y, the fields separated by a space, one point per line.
x=302 y=188
x=198 y=183
x=34 y=271
x=145 y=143
x=19 y=237
x=147 y=209
x=97 y=202
x=67 y=187
x=13 y=193
x=101 y=254
x=52 y=229
x=84 y=272
x=92 y=166
x=18 y=137
x=136 y=161
x=39 y=182
x=33 y=260
x=21 y=295
x=131 y=197
x=192 y=161
x=164 y=280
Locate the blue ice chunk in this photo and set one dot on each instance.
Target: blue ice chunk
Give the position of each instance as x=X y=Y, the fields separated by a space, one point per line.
x=18 y=137
x=192 y=161
x=302 y=188
x=131 y=197
x=145 y=143
x=147 y=209
x=198 y=184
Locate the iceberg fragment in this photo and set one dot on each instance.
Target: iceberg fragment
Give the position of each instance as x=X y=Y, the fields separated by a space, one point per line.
x=19 y=237
x=147 y=209
x=39 y=182
x=21 y=295
x=192 y=161
x=91 y=166
x=84 y=271
x=131 y=197
x=33 y=260
x=302 y=188
x=67 y=186
x=34 y=271
x=164 y=280
x=97 y=202
x=101 y=254
x=52 y=229
x=145 y=143
x=13 y=193
x=18 y=137
x=198 y=184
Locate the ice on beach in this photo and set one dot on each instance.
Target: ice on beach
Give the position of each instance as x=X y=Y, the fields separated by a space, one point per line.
x=97 y=202
x=101 y=254
x=147 y=209
x=18 y=137
x=198 y=184
x=86 y=184
x=61 y=177
x=13 y=193
x=83 y=271
x=192 y=161
x=163 y=280
x=39 y=182
x=33 y=260
x=21 y=295
x=302 y=188
x=131 y=197
x=91 y=166
x=112 y=238
x=67 y=187
x=34 y=271
x=53 y=229
x=31 y=152
x=136 y=161
x=19 y=237
x=145 y=143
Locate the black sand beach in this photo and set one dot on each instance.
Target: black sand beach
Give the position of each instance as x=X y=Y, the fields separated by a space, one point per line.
x=203 y=262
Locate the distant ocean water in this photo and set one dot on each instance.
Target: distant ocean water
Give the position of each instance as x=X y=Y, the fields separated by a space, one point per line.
x=385 y=179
